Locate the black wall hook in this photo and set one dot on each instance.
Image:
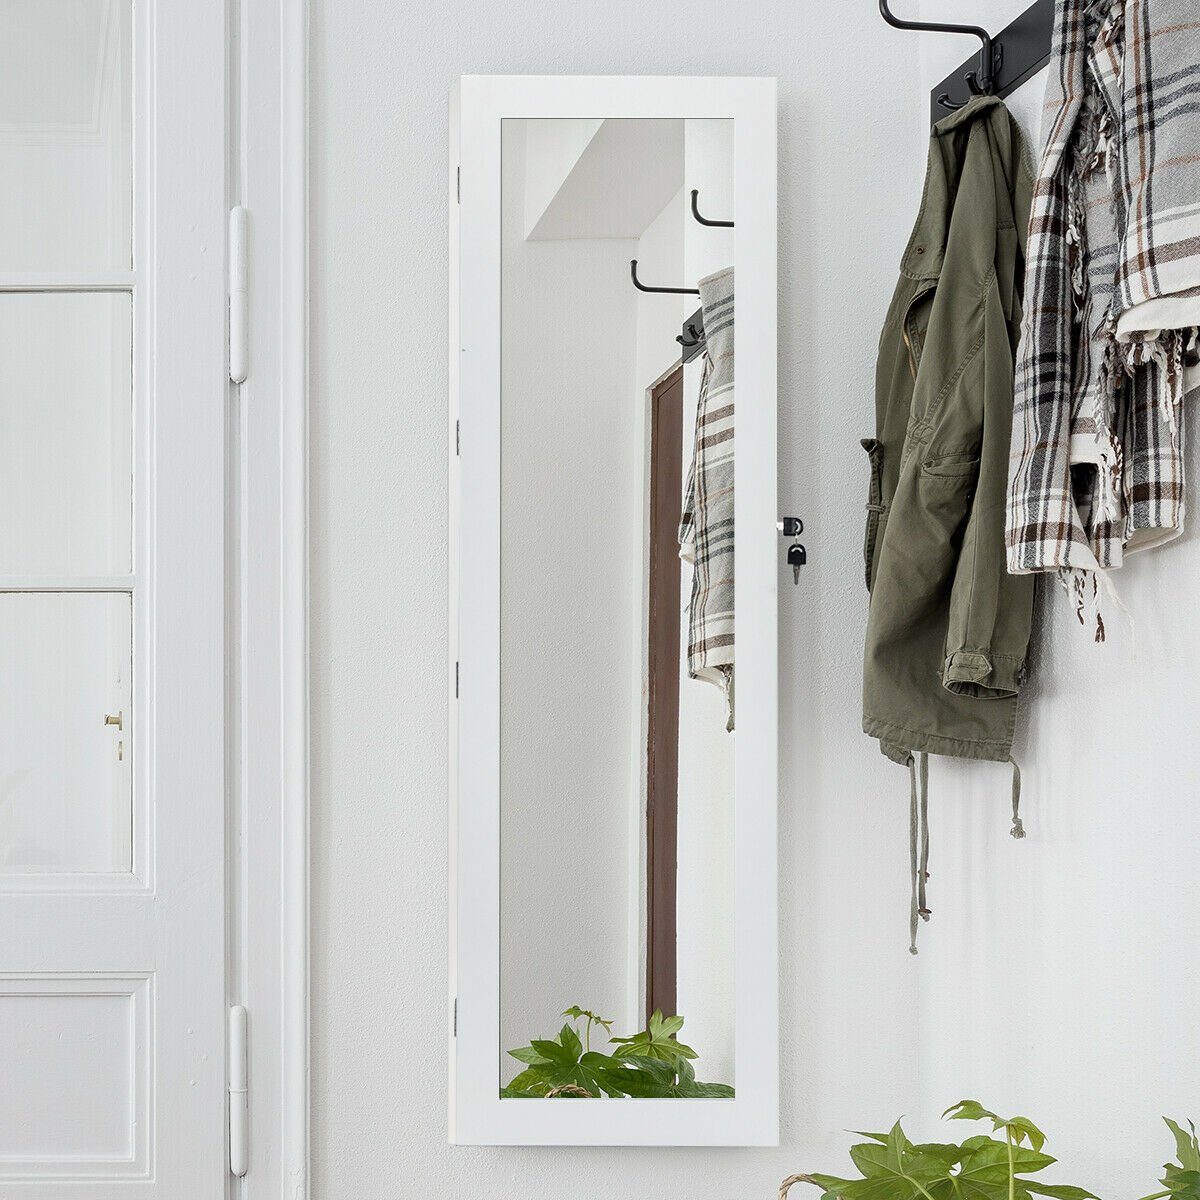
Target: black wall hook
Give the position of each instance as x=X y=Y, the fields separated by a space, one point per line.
x=981 y=82
x=667 y=291
x=1019 y=51
x=705 y=220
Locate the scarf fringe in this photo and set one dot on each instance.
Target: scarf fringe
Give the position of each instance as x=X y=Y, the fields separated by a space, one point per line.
x=1090 y=591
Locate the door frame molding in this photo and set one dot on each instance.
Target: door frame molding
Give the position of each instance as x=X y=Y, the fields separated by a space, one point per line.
x=294 y=601
x=269 y=917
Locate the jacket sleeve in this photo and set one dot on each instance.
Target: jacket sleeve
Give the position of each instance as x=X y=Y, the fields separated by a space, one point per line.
x=991 y=612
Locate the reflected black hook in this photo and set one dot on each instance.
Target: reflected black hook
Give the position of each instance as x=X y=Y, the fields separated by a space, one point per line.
x=982 y=82
x=668 y=291
x=705 y=220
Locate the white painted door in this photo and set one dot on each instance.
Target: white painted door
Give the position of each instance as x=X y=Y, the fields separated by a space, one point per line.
x=112 y=435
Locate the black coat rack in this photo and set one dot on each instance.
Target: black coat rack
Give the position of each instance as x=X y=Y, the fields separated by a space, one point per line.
x=692 y=337
x=1020 y=50
x=1005 y=61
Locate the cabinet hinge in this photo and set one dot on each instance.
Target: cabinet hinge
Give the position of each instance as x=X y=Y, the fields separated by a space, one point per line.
x=239 y=1106
x=457 y=439
x=456 y=1016
x=239 y=298
x=458 y=185
x=456 y=680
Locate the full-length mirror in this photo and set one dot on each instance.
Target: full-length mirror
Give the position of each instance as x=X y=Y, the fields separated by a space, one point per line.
x=617 y=649
x=614 y=610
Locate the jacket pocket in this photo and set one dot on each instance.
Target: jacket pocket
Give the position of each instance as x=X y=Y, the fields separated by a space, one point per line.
x=874 y=504
x=964 y=465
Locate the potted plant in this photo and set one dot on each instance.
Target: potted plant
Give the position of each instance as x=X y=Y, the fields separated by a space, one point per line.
x=981 y=1168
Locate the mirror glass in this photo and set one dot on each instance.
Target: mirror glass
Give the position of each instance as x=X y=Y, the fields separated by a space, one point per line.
x=616 y=610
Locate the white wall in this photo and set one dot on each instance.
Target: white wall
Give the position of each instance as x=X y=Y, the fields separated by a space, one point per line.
x=1058 y=975
x=849 y=113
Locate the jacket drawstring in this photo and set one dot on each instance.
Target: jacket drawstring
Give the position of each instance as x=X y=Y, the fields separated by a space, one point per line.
x=1018 y=827
x=918 y=837
x=918 y=845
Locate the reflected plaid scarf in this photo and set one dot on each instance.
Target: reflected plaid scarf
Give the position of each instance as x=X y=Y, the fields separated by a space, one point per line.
x=706 y=530
x=1096 y=467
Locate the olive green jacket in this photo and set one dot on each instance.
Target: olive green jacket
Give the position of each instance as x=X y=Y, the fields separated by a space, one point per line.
x=948 y=629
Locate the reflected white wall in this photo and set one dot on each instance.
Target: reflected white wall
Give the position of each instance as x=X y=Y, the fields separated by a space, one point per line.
x=568 y=556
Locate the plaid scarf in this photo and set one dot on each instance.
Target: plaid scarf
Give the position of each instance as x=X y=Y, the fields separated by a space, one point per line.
x=706 y=530
x=1160 y=163
x=1097 y=442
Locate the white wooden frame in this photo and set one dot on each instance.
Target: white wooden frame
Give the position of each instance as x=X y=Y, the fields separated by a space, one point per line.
x=477 y=1115
x=269 y=844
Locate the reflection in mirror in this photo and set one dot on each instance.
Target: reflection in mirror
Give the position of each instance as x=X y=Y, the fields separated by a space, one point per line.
x=616 y=612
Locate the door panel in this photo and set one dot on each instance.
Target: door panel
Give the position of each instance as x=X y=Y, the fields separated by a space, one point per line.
x=113 y=401
x=82 y=1064
x=66 y=452
x=66 y=146
x=66 y=724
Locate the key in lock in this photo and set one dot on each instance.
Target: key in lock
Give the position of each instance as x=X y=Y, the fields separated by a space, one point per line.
x=797 y=556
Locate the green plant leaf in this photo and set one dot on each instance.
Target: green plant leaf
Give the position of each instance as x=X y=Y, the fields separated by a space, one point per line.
x=527 y=1085
x=554 y=1053
x=1183 y=1185
x=1186 y=1145
x=664 y=1027
x=527 y=1054
x=651 y=1063
x=1020 y=1128
x=982 y=1168
x=563 y=1062
x=1024 y=1129
x=832 y=1187
x=643 y=1078
x=651 y=1078
x=576 y=1014
x=570 y=1041
x=988 y=1163
x=687 y=1087
x=898 y=1161
x=968 y=1110
x=658 y=1040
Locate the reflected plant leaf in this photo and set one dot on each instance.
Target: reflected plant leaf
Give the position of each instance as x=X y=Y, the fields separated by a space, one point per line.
x=650 y=1064
x=658 y=1040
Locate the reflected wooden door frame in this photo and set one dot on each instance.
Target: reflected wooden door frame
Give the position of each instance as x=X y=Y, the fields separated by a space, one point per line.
x=662 y=692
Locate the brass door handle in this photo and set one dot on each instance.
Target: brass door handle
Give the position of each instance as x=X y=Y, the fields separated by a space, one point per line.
x=118 y=720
